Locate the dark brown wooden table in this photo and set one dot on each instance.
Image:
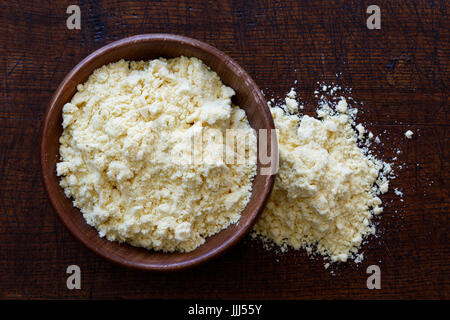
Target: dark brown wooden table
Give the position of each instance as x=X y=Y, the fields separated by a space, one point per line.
x=400 y=73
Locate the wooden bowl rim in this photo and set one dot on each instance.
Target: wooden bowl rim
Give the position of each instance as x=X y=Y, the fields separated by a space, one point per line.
x=46 y=171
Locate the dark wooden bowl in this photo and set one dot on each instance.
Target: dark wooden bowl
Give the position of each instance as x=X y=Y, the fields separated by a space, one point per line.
x=146 y=47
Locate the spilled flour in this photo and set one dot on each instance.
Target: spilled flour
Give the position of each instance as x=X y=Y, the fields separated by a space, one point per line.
x=327 y=187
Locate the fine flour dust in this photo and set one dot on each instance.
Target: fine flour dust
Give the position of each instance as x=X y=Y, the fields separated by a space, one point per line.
x=327 y=187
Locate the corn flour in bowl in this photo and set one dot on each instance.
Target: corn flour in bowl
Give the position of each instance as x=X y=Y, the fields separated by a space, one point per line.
x=143 y=153
x=148 y=152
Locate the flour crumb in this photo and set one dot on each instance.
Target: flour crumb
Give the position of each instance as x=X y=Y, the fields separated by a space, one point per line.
x=342 y=106
x=292 y=94
x=291 y=105
x=361 y=130
x=409 y=134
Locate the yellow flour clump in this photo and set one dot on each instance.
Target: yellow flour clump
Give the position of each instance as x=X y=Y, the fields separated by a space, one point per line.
x=324 y=195
x=126 y=161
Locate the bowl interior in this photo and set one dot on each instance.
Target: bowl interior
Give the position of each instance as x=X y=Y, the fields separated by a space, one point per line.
x=146 y=47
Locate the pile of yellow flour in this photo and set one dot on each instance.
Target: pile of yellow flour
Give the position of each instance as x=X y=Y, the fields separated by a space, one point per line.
x=326 y=190
x=123 y=150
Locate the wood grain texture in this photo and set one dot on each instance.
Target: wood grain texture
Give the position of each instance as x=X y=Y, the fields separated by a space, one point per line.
x=400 y=72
